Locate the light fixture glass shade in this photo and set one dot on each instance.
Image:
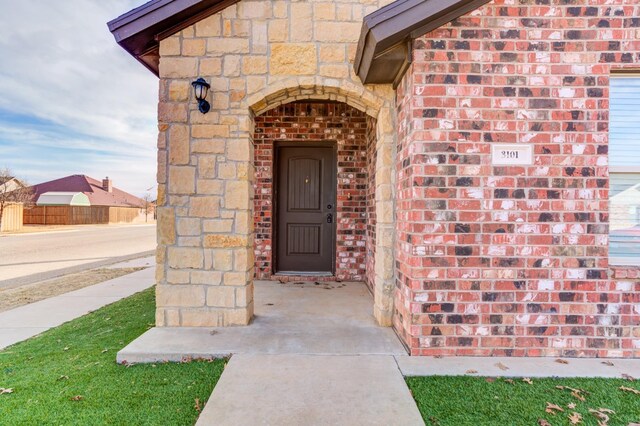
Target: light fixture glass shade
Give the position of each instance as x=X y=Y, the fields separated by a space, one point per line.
x=203 y=91
x=200 y=87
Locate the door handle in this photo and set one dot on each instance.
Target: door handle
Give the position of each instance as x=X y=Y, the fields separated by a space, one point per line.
x=329 y=218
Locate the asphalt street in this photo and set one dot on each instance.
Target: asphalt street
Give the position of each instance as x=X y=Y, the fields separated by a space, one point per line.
x=28 y=258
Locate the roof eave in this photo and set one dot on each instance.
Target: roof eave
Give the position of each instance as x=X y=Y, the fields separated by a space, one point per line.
x=384 y=51
x=140 y=30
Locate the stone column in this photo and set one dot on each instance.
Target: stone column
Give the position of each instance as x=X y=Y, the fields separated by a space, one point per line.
x=385 y=218
x=205 y=172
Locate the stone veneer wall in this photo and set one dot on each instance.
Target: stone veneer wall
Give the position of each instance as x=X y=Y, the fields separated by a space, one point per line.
x=316 y=121
x=513 y=260
x=371 y=156
x=256 y=55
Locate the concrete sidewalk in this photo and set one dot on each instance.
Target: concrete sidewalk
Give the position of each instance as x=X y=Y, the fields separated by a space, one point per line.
x=29 y=320
x=518 y=367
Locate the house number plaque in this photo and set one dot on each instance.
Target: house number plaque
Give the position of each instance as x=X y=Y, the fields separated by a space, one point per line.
x=511 y=154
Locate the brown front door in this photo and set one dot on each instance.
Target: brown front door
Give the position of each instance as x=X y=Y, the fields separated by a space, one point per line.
x=306 y=209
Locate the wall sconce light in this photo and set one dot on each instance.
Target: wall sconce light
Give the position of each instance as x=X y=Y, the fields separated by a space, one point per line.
x=201 y=87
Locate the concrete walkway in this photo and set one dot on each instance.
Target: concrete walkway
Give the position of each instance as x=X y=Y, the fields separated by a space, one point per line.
x=29 y=320
x=311 y=390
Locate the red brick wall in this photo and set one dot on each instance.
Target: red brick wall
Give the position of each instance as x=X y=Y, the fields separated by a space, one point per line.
x=513 y=260
x=308 y=121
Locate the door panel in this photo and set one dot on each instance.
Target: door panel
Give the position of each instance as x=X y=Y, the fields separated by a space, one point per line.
x=304 y=184
x=306 y=193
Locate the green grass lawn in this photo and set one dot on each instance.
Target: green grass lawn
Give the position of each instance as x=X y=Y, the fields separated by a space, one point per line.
x=477 y=401
x=68 y=375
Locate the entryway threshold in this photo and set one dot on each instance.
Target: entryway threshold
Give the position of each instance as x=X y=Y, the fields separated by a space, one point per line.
x=302 y=274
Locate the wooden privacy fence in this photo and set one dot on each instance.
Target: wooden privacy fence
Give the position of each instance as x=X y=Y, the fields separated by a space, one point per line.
x=11 y=218
x=79 y=215
x=123 y=214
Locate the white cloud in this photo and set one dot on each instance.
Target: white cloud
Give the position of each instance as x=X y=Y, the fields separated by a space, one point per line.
x=60 y=64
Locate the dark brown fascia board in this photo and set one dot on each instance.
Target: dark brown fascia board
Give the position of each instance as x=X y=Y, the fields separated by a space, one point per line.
x=385 y=30
x=140 y=30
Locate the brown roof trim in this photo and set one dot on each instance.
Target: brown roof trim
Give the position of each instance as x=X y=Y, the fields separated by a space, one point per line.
x=140 y=30
x=384 y=48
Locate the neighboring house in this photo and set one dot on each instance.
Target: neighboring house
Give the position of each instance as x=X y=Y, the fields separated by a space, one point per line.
x=12 y=211
x=624 y=226
x=451 y=154
x=81 y=200
x=9 y=184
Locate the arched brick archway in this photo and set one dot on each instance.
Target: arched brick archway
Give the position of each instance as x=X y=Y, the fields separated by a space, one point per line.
x=378 y=107
x=291 y=90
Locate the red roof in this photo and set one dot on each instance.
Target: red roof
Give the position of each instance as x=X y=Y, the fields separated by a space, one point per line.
x=91 y=188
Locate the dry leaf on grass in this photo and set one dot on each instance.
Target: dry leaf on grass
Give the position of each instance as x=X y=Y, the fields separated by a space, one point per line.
x=552 y=408
x=5 y=390
x=63 y=377
x=471 y=372
x=576 y=393
x=77 y=398
x=501 y=366
x=562 y=361
x=575 y=418
x=527 y=380
x=490 y=379
x=603 y=419
x=609 y=363
x=197 y=405
x=543 y=422
x=632 y=390
x=510 y=381
x=628 y=377
x=571 y=405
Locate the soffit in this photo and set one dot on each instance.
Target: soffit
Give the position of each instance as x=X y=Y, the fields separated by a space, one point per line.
x=140 y=30
x=384 y=48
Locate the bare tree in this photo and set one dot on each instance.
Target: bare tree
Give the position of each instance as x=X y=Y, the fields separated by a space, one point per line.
x=148 y=206
x=13 y=191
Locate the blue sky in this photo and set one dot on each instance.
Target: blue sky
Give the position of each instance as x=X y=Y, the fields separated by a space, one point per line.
x=71 y=100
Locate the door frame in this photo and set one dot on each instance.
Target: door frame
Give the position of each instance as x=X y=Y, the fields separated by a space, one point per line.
x=277 y=145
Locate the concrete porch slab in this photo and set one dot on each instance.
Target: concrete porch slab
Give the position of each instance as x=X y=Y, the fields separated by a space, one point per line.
x=518 y=367
x=310 y=390
x=328 y=318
